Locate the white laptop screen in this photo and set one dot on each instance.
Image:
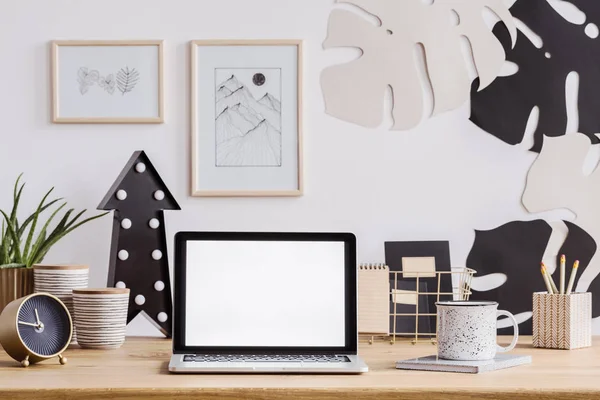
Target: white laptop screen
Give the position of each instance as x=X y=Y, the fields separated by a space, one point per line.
x=265 y=294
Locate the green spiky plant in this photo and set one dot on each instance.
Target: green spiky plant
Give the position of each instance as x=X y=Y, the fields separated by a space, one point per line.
x=20 y=248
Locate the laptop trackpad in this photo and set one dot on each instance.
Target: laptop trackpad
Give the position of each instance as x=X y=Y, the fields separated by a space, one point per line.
x=262 y=365
x=281 y=366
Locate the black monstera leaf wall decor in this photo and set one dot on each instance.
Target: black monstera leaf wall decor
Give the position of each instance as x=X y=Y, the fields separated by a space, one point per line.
x=503 y=109
x=516 y=250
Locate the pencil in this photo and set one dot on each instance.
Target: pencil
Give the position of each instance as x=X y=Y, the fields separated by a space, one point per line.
x=546 y=279
x=554 y=288
x=572 y=278
x=563 y=261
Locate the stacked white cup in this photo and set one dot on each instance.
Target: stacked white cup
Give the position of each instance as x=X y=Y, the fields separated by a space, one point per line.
x=101 y=317
x=60 y=281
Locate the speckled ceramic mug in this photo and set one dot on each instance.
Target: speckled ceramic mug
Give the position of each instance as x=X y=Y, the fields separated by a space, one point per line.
x=467 y=330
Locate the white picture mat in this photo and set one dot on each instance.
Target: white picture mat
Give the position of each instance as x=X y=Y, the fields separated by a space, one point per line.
x=251 y=179
x=142 y=102
x=265 y=294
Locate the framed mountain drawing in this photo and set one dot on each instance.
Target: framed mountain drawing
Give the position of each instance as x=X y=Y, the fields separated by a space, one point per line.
x=113 y=81
x=246 y=118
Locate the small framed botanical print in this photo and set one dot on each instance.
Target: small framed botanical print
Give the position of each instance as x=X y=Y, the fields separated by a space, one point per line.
x=246 y=118
x=107 y=81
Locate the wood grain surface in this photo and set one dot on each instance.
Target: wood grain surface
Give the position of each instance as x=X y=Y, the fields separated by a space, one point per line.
x=138 y=370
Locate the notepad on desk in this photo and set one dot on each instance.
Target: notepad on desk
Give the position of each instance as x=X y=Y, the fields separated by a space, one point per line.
x=373 y=299
x=433 y=363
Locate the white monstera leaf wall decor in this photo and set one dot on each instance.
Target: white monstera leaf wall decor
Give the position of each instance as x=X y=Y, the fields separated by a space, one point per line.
x=355 y=91
x=557 y=180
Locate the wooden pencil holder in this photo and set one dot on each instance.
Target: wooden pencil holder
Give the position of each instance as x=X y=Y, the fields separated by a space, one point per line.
x=562 y=321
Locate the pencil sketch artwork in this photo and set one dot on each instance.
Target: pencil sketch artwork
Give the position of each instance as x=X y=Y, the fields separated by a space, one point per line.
x=248 y=118
x=125 y=80
x=108 y=83
x=86 y=78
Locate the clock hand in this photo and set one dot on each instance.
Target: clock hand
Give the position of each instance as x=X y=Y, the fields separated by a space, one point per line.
x=28 y=324
x=37 y=317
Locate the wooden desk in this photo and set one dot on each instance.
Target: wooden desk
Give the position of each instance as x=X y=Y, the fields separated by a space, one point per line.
x=139 y=370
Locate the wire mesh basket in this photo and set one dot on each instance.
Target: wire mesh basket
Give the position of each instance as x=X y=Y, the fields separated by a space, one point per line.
x=413 y=315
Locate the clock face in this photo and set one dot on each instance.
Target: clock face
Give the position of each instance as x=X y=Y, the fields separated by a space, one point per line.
x=44 y=325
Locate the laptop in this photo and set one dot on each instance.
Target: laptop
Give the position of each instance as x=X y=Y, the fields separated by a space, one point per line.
x=265 y=303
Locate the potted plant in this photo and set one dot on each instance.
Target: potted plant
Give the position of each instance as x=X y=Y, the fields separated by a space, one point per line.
x=24 y=244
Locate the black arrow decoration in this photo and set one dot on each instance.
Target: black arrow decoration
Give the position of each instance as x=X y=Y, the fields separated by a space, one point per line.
x=138 y=251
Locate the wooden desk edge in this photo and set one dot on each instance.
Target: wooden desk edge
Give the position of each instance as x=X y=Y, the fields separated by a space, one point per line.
x=297 y=393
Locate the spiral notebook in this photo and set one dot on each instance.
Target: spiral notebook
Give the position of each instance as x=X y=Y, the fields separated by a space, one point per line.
x=373 y=299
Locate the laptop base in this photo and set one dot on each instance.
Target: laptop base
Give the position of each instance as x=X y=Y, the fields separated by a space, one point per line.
x=355 y=366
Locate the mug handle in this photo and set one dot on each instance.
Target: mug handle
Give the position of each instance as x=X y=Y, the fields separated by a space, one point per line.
x=502 y=313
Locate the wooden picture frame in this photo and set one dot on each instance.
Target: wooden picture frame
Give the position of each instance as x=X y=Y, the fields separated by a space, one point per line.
x=219 y=58
x=147 y=102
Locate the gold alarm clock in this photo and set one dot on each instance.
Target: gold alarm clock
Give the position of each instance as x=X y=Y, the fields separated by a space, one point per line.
x=36 y=328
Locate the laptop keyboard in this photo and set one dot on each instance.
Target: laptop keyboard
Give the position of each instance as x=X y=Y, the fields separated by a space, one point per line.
x=265 y=358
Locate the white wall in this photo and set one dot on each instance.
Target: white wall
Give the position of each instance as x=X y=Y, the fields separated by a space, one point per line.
x=439 y=181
